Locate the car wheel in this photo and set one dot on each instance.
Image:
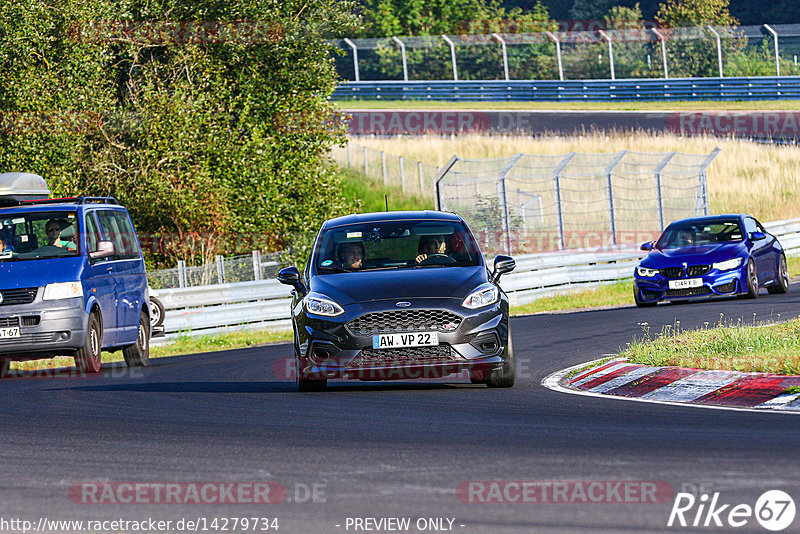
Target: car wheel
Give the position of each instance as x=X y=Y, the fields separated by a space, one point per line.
x=782 y=284
x=156 y=312
x=504 y=376
x=752 y=281
x=138 y=354
x=307 y=384
x=87 y=359
x=5 y=365
x=637 y=297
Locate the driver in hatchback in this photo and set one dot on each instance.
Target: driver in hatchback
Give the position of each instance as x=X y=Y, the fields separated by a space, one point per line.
x=430 y=245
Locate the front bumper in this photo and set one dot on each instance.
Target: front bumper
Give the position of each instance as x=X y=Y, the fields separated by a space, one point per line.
x=328 y=349
x=714 y=284
x=47 y=328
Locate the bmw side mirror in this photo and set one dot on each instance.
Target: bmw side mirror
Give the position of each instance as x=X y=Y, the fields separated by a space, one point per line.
x=104 y=250
x=291 y=277
x=758 y=236
x=648 y=245
x=502 y=265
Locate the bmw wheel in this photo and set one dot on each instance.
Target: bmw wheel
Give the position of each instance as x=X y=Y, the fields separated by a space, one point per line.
x=752 y=281
x=782 y=284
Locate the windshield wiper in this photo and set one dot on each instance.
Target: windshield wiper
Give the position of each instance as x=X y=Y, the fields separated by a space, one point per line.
x=335 y=269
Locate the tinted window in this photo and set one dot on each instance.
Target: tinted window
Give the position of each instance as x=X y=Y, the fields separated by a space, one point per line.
x=37 y=235
x=117 y=228
x=92 y=232
x=696 y=233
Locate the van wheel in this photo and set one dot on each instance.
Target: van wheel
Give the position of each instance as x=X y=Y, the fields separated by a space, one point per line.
x=5 y=365
x=157 y=312
x=138 y=354
x=87 y=359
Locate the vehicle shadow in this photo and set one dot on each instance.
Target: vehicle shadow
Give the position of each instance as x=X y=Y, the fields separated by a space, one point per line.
x=190 y=387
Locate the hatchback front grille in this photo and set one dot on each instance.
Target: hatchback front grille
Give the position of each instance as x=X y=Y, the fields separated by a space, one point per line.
x=688 y=292
x=402 y=357
x=404 y=321
x=18 y=296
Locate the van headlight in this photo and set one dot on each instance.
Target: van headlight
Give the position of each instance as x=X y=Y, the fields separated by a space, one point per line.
x=63 y=290
x=727 y=265
x=321 y=306
x=646 y=272
x=483 y=296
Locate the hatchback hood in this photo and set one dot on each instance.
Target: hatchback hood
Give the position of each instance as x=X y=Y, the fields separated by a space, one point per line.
x=431 y=282
x=703 y=254
x=39 y=273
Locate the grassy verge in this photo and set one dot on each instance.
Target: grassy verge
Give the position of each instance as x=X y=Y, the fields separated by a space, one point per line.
x=738 y=105
x=370 y=192
x=616 y=294
x=731 y=346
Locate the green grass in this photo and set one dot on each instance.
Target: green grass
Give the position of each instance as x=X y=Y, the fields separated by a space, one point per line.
x=730 y=346
x=370 y=192
x=794 y=390
x=693 y=105
x=616 y=294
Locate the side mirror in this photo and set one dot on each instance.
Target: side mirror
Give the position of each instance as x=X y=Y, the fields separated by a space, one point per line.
x=502 y=265
x=291 y=277
x=647 y=245
x=758 y=236
x=104 y=250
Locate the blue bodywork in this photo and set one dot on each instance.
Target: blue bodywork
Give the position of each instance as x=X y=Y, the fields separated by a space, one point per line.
x=716 y=262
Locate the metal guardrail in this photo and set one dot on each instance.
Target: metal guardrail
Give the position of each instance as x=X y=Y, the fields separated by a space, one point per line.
x=265 y=303
x=739 y=88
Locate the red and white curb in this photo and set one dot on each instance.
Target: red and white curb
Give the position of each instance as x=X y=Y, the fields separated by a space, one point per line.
x=677 y=385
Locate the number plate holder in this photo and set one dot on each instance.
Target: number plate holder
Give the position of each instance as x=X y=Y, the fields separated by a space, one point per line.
x=406 y=340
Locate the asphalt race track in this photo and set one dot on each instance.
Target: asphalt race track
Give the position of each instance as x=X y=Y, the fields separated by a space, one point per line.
x=379 y=450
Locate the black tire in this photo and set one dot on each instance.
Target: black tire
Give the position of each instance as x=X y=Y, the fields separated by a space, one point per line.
x=5 y=365
x=637 y=298
x=87 y=359
x=307 y=384
x=751 y=291
x=782 y=284
x=138 y=354
x=157 y=312
x=504 y=376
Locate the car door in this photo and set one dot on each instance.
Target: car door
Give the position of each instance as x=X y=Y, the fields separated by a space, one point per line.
x=100 y=281
x=761 y=250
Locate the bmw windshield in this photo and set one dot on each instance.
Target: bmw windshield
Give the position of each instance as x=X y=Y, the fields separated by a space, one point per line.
x=396 y=245
x=698 y=233
x=37 y=235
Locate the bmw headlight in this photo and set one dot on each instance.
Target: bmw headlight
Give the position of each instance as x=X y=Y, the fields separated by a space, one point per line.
x=727 y=265
x=646 y=272
x=62 y=290
x=321 y=306
x=483 y=296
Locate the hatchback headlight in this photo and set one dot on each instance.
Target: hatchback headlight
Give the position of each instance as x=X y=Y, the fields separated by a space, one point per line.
x=62 y=290
x=727 y=265
x=322 y=306
x=483 y=296
x=646 y=272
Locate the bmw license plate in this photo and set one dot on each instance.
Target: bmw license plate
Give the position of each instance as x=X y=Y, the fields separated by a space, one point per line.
x=683 y=284
x=395 y=341
x=6 y=333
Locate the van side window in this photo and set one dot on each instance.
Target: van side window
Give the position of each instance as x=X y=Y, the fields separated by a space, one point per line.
x=117 y=229
x=92 y=232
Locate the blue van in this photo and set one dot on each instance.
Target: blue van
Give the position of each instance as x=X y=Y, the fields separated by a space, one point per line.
x=72 y=278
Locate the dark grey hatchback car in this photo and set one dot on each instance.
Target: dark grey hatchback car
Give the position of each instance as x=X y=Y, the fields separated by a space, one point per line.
x=396 y=296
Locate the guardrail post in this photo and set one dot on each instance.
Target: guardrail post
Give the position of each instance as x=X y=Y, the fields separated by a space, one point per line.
x=505 y=54
x=402 y=175
x=181 y=273
x=659 y=192
x=611 y=214
x=558 y=54
x=777 y=54
x=355 y=57
x=403 y=54
x=719 y=49
x=220 y=269
x=610 y=55
x=663 y=50
x=452 y=56
x=256 y=265
x=557 y=187
x=383 y=167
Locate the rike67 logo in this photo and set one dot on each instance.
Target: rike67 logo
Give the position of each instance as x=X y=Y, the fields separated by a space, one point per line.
x=774 y=510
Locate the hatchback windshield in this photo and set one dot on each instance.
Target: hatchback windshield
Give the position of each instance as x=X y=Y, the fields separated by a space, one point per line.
x=696 y=233
x=36 y=235
x=396 y=245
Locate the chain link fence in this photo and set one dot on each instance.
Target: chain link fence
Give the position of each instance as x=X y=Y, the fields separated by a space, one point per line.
x=632 y=52
x=412 y=177
x=538 y=203
x=257 y=266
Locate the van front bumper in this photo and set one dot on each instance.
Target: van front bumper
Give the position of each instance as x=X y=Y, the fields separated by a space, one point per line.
x=46 y=328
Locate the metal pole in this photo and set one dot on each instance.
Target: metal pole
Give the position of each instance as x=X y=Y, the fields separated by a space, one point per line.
x=777 y=55
x=659 y=193
x=440 y=174
x=719 y=49
x=383 y=167
x=703 y=179
x=402 y=176
x=366 y=162
x=506 y=215
x=610 y=54
x=403 y=53
x=558 y=54
x=220 y=270
x=505 y=54
x=557 y=185
x=421 y=184
x=355 y=56
x=257 y=265
x=349 y=159
x=663 y=51
x=611 y=213
x=181 y=273
x=452 y=56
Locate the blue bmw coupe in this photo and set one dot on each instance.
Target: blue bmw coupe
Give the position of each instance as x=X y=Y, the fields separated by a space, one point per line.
x=715 y=256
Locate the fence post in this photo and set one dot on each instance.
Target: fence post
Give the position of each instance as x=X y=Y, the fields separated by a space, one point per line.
x=505 y=54
x=349 y=158
x=355 y=57
x=366 y=162
x=610 y=54
x=703 y=179
x=502 y=186
x=659 y=192
x=220 y=269
x=557 y=187
x=383 y=167
x=719 y=49
x=663 y=51
x=452 y=56
x=558 y=54
x=181 y=273
x=402 y=175
x=403 y=54
x=611 y=214
x=257 y=265
x=440 y=174
x=421 y=184
x=777 y=54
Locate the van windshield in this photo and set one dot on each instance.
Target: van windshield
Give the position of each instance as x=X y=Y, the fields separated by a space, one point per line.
x=38 y=235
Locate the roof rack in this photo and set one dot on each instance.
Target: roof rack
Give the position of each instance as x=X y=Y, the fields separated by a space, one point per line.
x=73 y=200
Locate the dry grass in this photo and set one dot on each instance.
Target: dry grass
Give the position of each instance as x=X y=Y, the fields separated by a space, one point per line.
x=760 y=179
